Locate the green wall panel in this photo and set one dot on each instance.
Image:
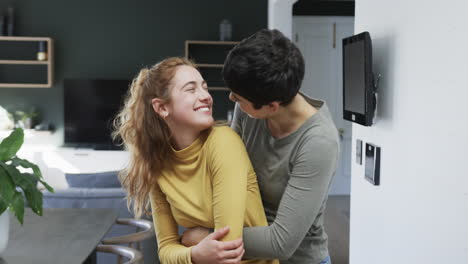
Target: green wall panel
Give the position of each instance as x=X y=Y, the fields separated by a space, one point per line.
x=113 y=39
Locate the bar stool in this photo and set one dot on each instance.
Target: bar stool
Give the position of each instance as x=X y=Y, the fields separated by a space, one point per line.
x=145 y=230
x=134 y=256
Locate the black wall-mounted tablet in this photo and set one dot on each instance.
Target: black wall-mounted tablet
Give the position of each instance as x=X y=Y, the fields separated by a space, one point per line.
x=359 y=99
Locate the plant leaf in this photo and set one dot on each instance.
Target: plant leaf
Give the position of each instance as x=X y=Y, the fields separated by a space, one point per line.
x=7 y=188
x=3 y=206
x=34 y=198
x=23 y=180
x=18 y=179
x=36 y=171
x=47 y=186
x=11 y=144
x=17 y=206
x=15 y=161
x=28 y=183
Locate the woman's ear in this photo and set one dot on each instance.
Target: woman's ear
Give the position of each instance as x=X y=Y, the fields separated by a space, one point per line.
x=159 y=107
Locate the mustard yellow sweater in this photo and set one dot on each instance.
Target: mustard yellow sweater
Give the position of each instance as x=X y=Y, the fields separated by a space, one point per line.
x=211 y=184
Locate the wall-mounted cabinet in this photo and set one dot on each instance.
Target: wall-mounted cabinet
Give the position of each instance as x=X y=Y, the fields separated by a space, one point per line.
x=209 y=57
x=20 y=65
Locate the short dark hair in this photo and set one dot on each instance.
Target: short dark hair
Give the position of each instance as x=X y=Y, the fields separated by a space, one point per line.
x=264 y=68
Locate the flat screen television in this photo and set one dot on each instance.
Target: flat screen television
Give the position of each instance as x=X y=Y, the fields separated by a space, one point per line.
x=89 y=107
x=359 y=99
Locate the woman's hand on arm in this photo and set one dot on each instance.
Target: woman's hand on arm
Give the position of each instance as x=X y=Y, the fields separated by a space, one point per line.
x=212 y=251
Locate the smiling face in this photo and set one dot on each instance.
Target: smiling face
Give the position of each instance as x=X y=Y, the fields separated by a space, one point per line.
x=190 y=106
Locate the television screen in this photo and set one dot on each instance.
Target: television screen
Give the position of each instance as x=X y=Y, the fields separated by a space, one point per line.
x=89 y=108
x=358 y=89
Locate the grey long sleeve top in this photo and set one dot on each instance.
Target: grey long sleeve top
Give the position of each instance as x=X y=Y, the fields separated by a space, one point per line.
x=294 y=175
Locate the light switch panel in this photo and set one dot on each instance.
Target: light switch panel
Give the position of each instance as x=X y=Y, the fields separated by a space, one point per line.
x=359 y=151
x=372 y=170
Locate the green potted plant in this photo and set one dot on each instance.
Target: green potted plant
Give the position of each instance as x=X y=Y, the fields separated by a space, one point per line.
x=26 y=119
x=18 y=184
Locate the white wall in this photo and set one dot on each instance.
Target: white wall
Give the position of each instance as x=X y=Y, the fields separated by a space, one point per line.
x=280 y=16
x=419 y=214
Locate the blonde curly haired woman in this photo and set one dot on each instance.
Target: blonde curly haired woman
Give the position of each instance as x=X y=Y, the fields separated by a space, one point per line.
x=189 y=171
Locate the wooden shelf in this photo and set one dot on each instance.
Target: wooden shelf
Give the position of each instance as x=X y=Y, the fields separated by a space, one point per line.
x=49 y=62
x=207 y=42
x=212 y=55
x=24 y=62
x=24 y=85
x=25 y=39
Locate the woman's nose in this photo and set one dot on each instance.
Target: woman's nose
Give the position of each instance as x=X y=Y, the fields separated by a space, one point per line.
x=205 y=95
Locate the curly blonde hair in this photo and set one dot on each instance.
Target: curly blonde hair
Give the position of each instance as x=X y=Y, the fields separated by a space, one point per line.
x=144 y=133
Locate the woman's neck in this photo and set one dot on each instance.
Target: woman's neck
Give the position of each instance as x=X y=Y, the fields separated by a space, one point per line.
x=290 y=118
x=183 y=137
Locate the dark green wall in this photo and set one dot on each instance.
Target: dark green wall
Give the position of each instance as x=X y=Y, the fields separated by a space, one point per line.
x=115 y=38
